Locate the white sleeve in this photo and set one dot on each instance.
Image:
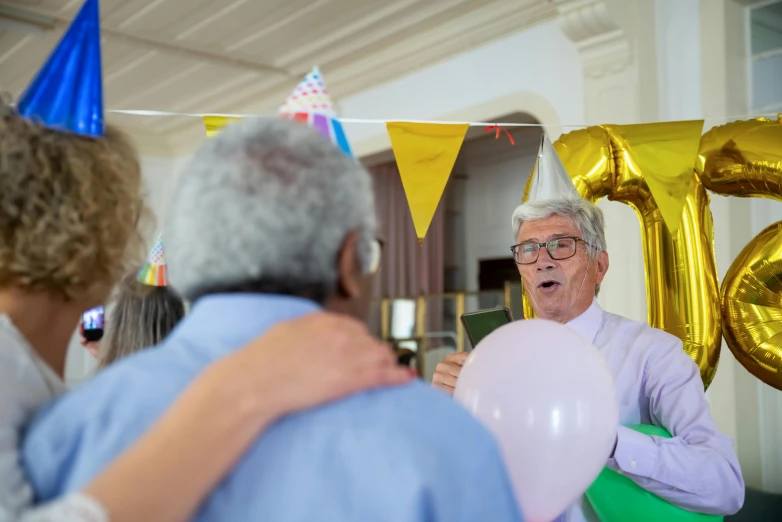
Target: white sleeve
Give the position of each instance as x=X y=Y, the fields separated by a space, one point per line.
x=75 y=507
x=22 y=390
x=16 y=494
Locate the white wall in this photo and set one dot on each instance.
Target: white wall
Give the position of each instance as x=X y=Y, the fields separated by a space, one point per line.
x=767 y=76
x=495 y=186
x=763 y=213
x=537 y=71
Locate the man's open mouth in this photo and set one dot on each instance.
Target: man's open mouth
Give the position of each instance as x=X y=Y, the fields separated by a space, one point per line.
x=548 y=284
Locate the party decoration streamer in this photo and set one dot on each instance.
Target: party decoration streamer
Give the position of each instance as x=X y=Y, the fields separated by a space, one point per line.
x=497 y=129
x=67 y=93
x=425 y=154
x=745 y=159
x=155 y=270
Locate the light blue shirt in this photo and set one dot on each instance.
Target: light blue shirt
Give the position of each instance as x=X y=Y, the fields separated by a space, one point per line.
x=400 y=454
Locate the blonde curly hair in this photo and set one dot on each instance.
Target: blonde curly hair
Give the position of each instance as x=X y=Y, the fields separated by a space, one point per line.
x=70 y=208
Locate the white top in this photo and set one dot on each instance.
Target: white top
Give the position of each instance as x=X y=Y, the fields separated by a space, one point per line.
x=27 y=382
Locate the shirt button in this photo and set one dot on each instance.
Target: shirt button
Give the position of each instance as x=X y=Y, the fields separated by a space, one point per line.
x=633 y=464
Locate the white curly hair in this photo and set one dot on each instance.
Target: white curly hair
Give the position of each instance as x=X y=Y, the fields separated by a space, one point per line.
x=267 y=200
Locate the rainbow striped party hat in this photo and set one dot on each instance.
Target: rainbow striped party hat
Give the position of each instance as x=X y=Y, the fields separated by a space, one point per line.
x=310 y=103
x=155 y=270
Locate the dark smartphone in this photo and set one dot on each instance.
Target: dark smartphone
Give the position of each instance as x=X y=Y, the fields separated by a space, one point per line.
x=483 y=322
x=92 y=324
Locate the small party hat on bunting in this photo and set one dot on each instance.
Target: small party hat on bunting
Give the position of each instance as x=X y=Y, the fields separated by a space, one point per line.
x=310 y=95
x=155 y=270
x=67 y=93
x=549 y=178
x=310 y=103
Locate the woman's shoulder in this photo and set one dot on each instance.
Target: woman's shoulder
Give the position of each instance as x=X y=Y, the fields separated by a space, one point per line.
x=24 y=384
x=15 y=360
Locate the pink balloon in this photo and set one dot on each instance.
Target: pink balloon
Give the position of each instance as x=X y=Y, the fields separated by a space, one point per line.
x=549 y=398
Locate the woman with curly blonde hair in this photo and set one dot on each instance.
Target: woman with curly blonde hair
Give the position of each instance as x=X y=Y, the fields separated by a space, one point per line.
x=70 y=206
x=69 y=214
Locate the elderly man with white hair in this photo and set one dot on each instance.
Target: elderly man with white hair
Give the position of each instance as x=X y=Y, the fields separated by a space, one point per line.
x=560 y=250
x=272 y=222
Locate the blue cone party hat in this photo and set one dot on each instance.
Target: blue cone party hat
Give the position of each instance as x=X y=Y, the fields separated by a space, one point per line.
x=67 y=93
x=310 y=103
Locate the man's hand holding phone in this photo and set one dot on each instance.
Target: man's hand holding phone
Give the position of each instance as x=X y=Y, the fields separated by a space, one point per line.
x=447 y=372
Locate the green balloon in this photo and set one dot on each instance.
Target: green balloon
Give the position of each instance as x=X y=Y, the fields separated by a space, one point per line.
x=616 y=498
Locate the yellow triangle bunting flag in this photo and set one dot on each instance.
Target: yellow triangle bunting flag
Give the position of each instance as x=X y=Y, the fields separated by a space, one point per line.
x=425 y=154
x=665 y=155
x=214 y=124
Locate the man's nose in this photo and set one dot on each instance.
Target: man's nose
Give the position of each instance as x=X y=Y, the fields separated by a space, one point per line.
x=544 y=260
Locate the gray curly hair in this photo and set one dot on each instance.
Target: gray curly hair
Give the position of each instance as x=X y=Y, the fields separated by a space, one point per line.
x=267 y=200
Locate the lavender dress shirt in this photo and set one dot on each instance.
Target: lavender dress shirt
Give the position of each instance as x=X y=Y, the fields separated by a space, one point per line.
x=659 y=384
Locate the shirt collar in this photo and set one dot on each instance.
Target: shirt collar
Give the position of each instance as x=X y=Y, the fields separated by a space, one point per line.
x=588 y=323
x=223 y=322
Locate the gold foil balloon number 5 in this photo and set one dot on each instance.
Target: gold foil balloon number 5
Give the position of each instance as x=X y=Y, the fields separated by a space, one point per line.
x=650 y=168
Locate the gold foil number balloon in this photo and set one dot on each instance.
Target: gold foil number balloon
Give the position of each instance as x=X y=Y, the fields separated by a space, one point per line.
x=745 y=159
x=651 y=168
x=645 y=167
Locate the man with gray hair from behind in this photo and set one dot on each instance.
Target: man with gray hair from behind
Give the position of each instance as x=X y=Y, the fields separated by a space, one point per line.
x=271 y=222
x=560 y=250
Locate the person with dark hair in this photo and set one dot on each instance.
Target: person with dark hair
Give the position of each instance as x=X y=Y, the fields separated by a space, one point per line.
x=70 y=208
x=271 y=222
x=61 y=250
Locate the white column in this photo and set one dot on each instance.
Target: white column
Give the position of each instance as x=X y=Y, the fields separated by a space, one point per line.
x=660 y=60
x=743 y=407
x=677 y=28
x=614 y=92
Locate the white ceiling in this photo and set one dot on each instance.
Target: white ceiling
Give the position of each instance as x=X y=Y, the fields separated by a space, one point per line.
x=246 y=55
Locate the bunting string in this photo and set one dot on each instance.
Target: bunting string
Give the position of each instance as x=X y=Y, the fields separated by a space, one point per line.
x=386 y=121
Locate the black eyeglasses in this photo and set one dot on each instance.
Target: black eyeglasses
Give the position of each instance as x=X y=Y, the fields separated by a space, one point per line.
x=559 y=249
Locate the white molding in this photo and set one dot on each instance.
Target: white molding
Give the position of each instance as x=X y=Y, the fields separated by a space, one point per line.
x=604 y=47
x=585 y=20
